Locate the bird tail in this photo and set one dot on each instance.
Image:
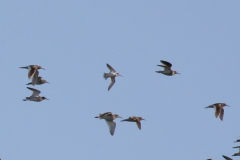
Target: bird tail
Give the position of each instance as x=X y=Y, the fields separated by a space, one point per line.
x=28 y=83
x=159 y=71
x=105 y=75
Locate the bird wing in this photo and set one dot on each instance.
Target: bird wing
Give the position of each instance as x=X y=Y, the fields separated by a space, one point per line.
x=110 y=68
x=227 y=158
x=35 y=92
x=166 y=63
x=221 y=113
x=105 y=114
x=35 y=78
x=111 y=126
x=166 y=69
x=217 y=111
x=138 y=124
x=112 y=83
x=31 y=72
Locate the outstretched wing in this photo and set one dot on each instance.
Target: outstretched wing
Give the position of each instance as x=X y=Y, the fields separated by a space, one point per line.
x=110 y=68
x=138 y=124
x=35 y=92
x=112 y=83
x=221 y=113
x=35 y=78
x=166 y=63
x=31 y=72
x=217 y=111
x=111 y=126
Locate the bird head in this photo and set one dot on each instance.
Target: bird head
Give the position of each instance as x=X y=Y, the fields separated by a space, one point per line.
x=44 y=98
x=175 y=72
x=118 y=74
x=117 y=116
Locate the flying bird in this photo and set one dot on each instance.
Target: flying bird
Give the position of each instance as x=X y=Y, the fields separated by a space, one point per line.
x=33 y=72
x=135 y=119
x=109 y=117
x=167 y=69
x=35 y=96
x=112 y=74
x=219 y=111
x=39 y=81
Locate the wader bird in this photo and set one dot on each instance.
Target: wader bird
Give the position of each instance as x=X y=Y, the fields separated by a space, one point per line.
x=219 y=111
x=167 y=69
x=135 y=119
x=112 y=74
x=109 y=117
x=35 y=96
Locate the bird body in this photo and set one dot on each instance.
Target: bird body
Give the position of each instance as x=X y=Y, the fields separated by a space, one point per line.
x=35 y=96
x=39 y=81
x=219 y=111
x=109 y=117
x=135 y=119
x=167 y=69
x=112 y=74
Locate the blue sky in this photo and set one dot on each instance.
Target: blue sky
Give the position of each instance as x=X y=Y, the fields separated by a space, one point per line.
x=73 y=40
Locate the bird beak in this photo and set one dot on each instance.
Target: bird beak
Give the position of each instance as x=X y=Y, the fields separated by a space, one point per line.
x=178 y=73
x=43 y=69
x=48 y=82
x=121 y=75
x=120 y=117
x=144 y=119
x=24 y=67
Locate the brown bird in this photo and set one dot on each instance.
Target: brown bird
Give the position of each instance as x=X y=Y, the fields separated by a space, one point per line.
x=167 y=69
x=35 y=96
x=33 y=72
x=39 y=81
x=219 y=111
x=109 y=117
x=135 y=119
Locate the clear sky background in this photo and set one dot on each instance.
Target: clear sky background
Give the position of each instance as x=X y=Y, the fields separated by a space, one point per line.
x=73 y=40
